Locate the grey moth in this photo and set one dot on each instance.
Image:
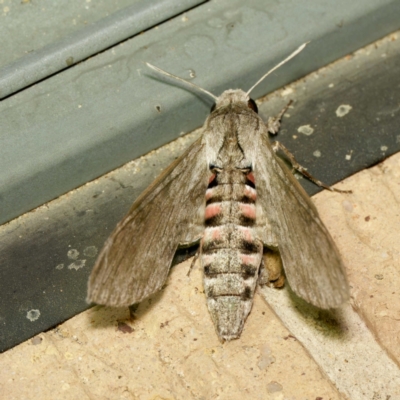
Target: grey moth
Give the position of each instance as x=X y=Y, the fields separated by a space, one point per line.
x=230 y=194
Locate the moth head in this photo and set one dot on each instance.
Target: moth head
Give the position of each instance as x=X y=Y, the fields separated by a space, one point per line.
x=236 y=96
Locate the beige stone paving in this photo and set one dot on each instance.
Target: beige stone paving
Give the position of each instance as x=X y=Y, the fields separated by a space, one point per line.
x=172 y=352
x=366 y=225
x=349 y=344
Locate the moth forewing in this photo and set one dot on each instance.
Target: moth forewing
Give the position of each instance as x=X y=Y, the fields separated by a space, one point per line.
x=310 y=258
x=136 y=258
x=249 y=202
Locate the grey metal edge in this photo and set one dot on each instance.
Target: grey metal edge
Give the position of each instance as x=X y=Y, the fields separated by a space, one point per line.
x=87 y=42
x=109 y=109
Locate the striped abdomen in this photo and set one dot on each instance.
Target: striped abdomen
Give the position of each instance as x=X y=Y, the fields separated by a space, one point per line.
x=230 y=253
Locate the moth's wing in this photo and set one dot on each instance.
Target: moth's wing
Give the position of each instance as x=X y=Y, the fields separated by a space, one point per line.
x=136 y=258
x=312 y=263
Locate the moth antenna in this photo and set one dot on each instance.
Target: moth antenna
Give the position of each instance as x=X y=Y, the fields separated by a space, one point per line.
x=190 y=84
x=301 y=48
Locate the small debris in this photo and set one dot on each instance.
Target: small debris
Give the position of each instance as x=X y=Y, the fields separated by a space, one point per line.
x=73 y=254
x=342 y=110
x=306 y=130
x=317 y=153
x=78 y=264
x=274 y=387
x=36 y=340
x=90 y=251
x=124 y=328
x=33 y=315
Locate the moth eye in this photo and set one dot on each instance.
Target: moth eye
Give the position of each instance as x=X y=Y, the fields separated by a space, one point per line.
x=252 y=105
x=213 y=107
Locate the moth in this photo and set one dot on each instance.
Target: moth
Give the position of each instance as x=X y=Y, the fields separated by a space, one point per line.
x=230 y=194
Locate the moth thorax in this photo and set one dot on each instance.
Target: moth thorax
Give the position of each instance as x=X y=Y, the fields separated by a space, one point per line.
x=230 y=176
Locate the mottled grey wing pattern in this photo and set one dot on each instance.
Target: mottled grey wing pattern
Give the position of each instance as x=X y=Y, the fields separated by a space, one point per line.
x=136 y=258
x=310 y=258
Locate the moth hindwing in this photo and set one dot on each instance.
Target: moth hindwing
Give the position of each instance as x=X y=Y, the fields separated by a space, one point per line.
x=256 y=219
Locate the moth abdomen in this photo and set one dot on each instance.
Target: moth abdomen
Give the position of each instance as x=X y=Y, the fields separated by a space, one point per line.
x=230 y=250
x=230 y=212
x=227 y=284
x=230 y=200
x=249 y=271
x=244 y=264
x=235 y=192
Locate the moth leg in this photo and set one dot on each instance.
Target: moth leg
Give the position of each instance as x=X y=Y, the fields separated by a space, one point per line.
x=196 y=256
x=271 y=272
x=274 y=123
x=277 y=146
